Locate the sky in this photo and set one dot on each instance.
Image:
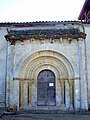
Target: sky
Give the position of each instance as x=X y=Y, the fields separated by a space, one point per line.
x=39 y=10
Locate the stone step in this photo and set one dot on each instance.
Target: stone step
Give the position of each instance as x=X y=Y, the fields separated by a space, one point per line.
x=53 y=112
x=43 y=111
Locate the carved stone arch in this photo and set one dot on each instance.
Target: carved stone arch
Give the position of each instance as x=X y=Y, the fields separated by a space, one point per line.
x=38 y=62
x=42 y=67
x=43 y=53
x=68 y=66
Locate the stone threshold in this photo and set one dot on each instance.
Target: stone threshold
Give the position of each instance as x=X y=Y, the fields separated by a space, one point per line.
x=51 y=110
x=46 y=110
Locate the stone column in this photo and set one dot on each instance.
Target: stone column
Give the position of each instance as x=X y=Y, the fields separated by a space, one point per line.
x=63 y=92
x=29 y=92
x=67 y=94
x=58 y=92
x=71 y=94
x=21 y=93
x=77 y=94
x=33 y=93
x=25 y=93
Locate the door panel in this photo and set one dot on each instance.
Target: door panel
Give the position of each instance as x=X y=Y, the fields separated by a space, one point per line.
x=46 y=88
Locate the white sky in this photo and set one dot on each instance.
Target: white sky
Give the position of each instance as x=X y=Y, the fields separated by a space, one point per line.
x=39 y=10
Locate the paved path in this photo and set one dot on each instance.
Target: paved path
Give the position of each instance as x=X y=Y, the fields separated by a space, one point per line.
x=46 y=117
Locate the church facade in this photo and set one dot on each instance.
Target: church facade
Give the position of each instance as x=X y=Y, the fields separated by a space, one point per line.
x=44 y=65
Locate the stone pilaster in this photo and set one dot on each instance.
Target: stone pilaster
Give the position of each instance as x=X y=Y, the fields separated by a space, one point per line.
x=83 y=75
x=25 y=95
x=9 y=81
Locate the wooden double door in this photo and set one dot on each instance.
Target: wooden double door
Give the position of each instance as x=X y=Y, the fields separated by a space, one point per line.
x=46 y=90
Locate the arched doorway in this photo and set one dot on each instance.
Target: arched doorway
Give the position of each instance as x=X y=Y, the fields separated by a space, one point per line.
x=39 y=68
x=46 y=90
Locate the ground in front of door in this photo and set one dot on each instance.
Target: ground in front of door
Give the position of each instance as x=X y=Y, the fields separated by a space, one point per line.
x=46 y=117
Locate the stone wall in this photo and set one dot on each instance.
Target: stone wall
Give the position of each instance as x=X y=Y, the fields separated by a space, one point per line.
x=65 y=58
x=3 y=47
x=87 y=30
x=22 y=62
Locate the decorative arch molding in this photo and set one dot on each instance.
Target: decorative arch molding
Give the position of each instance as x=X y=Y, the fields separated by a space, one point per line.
x=49 y=67
x=25 y=62
x=46 y=62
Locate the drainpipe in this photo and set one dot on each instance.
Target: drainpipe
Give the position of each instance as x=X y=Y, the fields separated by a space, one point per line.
x=6 y=72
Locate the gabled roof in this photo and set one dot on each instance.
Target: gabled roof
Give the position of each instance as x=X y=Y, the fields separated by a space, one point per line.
x=85 y=8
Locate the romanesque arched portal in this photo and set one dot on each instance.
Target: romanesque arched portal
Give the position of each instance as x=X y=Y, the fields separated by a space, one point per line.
x=63 y=76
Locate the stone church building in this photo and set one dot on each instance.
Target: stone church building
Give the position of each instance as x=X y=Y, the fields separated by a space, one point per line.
x=45 y=65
